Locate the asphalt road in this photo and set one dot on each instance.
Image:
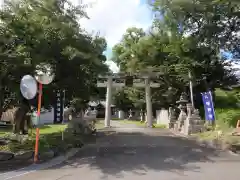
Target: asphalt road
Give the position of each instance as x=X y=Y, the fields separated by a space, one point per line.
x=136 y=153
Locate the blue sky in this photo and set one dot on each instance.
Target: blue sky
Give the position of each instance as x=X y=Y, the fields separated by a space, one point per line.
x=226 y=55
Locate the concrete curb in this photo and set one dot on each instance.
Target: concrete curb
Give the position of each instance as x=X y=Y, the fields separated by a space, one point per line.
x=37 y=167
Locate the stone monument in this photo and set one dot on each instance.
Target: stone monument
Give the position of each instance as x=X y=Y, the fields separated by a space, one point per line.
x=121 y=114
x=172 y=118
x=162 y=117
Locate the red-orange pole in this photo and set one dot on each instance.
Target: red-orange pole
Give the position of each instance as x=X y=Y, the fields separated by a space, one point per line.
x=38 y=119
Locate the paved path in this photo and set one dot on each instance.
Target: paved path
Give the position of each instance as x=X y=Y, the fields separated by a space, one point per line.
x=138 y=153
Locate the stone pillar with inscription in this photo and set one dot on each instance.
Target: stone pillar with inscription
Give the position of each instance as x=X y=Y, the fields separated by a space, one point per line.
x=121 y=114
x=172 y=118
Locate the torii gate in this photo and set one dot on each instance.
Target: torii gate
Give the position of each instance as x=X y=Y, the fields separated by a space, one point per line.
x=139 y=80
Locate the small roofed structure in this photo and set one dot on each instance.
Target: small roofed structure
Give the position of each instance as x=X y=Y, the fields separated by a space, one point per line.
x=99 y=103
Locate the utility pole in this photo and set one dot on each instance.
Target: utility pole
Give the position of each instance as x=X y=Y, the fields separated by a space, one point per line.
x=191 y=87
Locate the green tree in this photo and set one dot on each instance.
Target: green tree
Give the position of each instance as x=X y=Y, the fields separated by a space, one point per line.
x=209 y=26
x=212 y=22
x=124 y=52
x=47 y=31
x=168 y=50
x=121 y=99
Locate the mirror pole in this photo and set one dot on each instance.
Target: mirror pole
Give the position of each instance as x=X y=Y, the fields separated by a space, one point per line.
x=38 y=120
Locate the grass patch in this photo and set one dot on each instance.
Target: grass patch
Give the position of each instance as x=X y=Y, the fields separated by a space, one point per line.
x=50 y=135
x=226 y=137
x=160 y=126
x=142 y=124
x=50 y=129
x=99 y=124
x=209 y=135
x=136 y=122
x=50 y=138
x=45 y=129
x=116 y=119
x=4 y=131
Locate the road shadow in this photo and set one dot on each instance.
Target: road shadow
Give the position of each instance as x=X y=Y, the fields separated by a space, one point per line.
x=116 y=154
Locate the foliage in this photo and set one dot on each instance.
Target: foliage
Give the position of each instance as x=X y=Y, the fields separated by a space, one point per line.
x=212 y=22
x=47 y=31
x=125 y=50
x=50 y=138
x=137 y=97
x=226 y=107
x=227 y=117
x=121 y=100
x=18 y=143
x=175 y=47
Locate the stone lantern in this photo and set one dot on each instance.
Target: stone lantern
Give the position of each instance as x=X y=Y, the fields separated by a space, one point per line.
x=194 y=123
x=183 y=115
x=130 y=114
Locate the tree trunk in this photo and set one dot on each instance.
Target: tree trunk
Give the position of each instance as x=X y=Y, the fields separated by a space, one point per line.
x=16 y=123
x=1 y=108
x=20 y=120
x=1 y=112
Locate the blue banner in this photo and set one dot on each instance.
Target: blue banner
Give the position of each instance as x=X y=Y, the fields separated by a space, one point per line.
x=208 y=106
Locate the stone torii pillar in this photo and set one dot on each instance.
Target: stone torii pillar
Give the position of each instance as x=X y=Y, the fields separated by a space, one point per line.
x=108 y=110
x=148 y=102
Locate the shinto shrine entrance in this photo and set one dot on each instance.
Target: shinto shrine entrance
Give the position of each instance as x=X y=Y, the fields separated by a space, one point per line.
x=138 y=80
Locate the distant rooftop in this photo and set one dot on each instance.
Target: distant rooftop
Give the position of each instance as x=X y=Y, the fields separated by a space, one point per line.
x=95 y=103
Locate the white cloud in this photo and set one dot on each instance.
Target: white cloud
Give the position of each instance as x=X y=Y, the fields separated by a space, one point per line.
x=112 y=17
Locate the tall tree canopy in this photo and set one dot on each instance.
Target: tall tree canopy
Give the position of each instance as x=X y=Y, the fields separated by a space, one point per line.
x=48 y=31
x=186 y=36
x=212 y=22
